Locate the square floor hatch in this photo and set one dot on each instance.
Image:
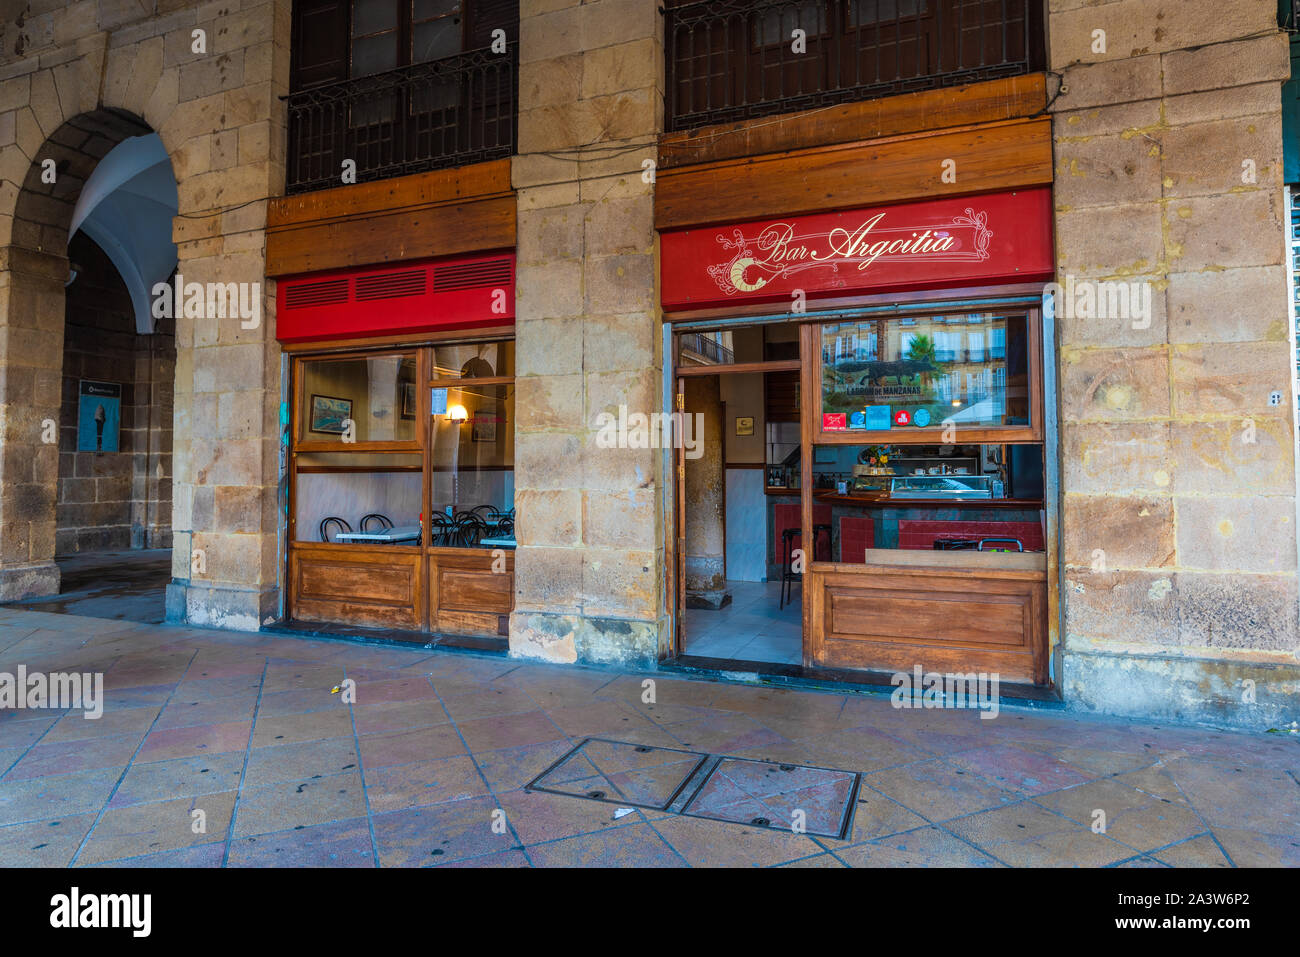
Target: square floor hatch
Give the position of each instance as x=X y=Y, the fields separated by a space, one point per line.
x=633 y=775
x=783 y=797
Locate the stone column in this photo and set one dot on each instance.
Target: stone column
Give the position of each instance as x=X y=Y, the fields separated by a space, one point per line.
x=31 y=380
x=1179 y=471
x=589 y=567
x=705 y=517
x=226 y=136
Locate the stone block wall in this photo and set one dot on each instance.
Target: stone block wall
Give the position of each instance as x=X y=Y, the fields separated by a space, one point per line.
x=1178 y=468
x=119 y=499
x=589 y=566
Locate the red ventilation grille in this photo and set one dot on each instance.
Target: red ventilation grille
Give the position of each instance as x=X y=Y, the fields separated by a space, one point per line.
x=327 y=292
x=394 y=299
x=491 y=272
x=390 y=285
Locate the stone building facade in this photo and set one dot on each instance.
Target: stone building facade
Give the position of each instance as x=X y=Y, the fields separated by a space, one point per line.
x=1178 y=591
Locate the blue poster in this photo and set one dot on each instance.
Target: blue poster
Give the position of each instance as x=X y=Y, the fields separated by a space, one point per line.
x=99 y=416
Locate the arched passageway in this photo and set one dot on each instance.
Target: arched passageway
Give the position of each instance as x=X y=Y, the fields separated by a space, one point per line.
x=87 y=380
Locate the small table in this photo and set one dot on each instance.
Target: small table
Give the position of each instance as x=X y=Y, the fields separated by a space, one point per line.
x=399 y=533
x=503 y=542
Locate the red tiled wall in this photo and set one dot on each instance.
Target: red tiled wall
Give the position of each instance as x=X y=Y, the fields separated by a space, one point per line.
x=856 y=536
x=787 y=516
x=921 y=534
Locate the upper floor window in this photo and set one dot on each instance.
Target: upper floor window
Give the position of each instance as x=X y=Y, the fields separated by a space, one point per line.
x=399 y=86
x=387 y=34
x=336 y=40
x=731 y=60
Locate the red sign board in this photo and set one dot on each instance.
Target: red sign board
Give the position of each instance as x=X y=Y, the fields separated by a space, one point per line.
x=902 y=417
x=833 y=421
x=972 y=240
x=463 y=292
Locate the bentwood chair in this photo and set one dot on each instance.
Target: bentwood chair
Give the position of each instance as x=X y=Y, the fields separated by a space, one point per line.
x=469 y=529
x=442 y=530
x=381 y=522
x=335 y=523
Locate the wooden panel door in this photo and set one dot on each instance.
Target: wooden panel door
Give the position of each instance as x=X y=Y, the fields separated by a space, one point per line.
x=357 y=585
x=466 y=595
x=885 y=618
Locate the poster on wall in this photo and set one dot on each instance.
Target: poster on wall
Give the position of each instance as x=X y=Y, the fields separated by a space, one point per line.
x=485 y=428
x=99 y=416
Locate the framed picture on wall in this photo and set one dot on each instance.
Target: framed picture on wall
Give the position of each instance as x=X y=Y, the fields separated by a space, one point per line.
x=408 y=400
x=329 y=413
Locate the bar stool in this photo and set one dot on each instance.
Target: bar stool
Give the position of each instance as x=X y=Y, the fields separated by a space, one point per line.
x=788 y=575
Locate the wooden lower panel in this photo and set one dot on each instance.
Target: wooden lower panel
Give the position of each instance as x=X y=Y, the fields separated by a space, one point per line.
x=351 y=585
x=466 y=596
x=941 y=620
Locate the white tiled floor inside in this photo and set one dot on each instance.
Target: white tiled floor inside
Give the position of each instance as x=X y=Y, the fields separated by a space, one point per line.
x=751 y=628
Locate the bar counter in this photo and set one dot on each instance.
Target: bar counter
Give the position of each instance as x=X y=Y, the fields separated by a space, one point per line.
x=884 y=500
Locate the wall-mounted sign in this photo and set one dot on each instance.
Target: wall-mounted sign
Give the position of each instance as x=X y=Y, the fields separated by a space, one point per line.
x=99 y=416
x=999 y=237
x=744 y=425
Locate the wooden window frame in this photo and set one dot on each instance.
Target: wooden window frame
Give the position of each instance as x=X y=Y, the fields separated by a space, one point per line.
x=913 y=435
x=420 y=445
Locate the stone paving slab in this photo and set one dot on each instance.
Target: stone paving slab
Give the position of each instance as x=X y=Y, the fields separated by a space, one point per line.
x=229 y=749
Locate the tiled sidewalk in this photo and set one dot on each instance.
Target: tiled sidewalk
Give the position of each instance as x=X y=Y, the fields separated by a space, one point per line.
x=244 y=729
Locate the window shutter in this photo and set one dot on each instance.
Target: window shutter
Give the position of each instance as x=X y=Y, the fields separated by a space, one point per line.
x=488 y=15
x=320 y=48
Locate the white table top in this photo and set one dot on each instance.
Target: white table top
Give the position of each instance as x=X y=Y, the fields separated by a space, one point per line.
x=399 y=533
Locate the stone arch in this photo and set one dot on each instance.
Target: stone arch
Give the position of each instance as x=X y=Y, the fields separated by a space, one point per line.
x=34 y=270
x=218 y=113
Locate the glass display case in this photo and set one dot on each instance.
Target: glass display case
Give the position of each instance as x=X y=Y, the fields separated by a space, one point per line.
x=955 y=487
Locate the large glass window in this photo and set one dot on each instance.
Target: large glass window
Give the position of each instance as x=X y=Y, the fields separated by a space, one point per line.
x=357 y=400
x=358 y=498
x=957 y=497
x=966 y=370
x=472 y=485
x=364 y=423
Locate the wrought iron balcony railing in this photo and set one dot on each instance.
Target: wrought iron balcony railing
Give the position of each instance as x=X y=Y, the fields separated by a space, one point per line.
x=707 y=347
x=1288 y=15
x=730 y=60
x=448 y=112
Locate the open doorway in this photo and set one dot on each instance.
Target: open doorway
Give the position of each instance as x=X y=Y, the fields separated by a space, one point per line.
x=740 y=534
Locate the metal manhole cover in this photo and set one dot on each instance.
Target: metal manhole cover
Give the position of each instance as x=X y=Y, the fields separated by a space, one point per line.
x=617 y=772
x=782 y=797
